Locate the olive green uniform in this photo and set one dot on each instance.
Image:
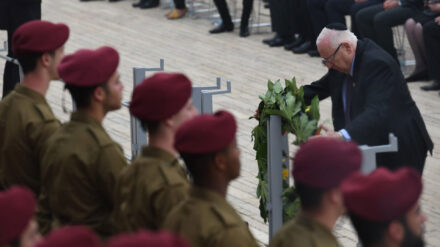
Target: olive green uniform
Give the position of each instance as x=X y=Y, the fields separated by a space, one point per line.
x=207 y=219
x=148 y=189
x=26 y=122
x=304 y=232
x=79 y=173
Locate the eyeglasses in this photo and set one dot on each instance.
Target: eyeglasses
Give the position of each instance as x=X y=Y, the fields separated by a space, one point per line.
x=331 y=57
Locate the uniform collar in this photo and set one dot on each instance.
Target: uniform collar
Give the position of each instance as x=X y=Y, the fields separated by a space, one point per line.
x=37 y=97
x=314 y=226
x=80 y=116
x=209 y=195
x=159 y=153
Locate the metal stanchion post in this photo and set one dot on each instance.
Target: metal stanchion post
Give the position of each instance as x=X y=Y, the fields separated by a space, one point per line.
x=206 y=106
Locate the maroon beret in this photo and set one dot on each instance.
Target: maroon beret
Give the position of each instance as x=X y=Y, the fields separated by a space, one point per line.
x=206 y=133
x=382 y=195
x=17 y=207
x=323 y=162
x=145 y=238
x=88 y=68
x=71 y=236
x=160 y=96
x=39 y=36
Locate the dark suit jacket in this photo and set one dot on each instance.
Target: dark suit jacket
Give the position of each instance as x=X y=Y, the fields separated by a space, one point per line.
x=381 y=103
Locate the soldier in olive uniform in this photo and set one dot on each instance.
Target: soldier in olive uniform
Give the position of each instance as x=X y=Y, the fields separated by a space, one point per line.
x=208 y=145
x=26 y=120
x=319 y=166
x=384 y=207
x=162 y=103
x=82 y=162
x=145 y=238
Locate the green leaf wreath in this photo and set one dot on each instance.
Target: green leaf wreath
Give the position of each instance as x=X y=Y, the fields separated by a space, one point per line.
x=297 y=118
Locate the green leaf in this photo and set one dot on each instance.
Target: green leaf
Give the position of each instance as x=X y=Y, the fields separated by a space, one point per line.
x=314 y=108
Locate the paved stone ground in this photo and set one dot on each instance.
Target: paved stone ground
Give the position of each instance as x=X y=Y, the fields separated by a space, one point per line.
x=144 y=36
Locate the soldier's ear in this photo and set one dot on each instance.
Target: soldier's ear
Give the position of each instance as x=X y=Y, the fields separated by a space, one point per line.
x=46 y=59
x=220 y=162
x=99 y=94
x=395 y=232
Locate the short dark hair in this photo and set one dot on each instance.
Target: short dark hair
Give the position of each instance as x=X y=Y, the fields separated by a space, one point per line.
x=310 y=197
x=369 y=233
x=151 y=126
x=15 y=243
x=198 y=164
x=29 y=61
x=82 y=95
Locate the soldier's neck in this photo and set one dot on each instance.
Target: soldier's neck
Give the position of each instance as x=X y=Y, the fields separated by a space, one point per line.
x=37 y=82
x=163 y=141
x=219 y=186
x=326 y=217
x=96 y=113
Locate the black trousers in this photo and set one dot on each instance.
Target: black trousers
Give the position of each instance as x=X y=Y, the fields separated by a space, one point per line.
x=18 y=14
x=301 y=20
x=431 y=36
x=280 y=16
x=222 y=8
x=376 y=23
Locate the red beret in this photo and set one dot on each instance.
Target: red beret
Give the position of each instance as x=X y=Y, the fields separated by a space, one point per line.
x=323 y=162
x=39 y=36
x=206 y=133
x=160 y=96
x=147 y=239
x=88 y=68
x=17 y=207
x=382 y=195
x=71 y=236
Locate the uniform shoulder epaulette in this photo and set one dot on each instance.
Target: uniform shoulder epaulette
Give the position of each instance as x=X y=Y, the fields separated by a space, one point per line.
x=45 y=112
x=170 y=175
x=100 y=136
x=227 y=218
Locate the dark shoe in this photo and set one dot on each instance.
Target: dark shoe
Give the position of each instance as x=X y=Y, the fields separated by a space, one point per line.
x=313 y=53
x=244 y=32
x=303 y=48
x=114 y=0
x=149 y=4
x=279 y=42
x=268 y=41
x=298 y=41
x=222 y=28
x=138 y=4
x=419 y=76
x=433 y=87
x=267 y=5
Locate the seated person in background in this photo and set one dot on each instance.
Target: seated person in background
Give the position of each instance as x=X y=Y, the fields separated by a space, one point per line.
x=208 y=145
x=18 y=228
x=281 y=18
x=162 y=103
x=71 y=236
x=147 y=239
x=376 y=22
x=26 y=119
x=431 y=36
x=317 y=180
x=384 y=207
x=82 y=162
x=227 y=25
x=414 y=32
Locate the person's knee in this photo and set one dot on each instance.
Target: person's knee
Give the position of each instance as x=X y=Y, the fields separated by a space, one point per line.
x=410 y=25
x=382 y=20
x=362 y=16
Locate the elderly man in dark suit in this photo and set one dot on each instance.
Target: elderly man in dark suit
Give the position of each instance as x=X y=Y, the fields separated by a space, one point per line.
x=370 y=98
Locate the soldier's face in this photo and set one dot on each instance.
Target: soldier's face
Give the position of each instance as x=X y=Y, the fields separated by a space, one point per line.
x=113 y=91
x=30 y=236
x=56 y=59
x=186 y=113
x=233 y=160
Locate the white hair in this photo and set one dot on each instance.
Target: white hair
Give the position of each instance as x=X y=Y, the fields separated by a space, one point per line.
x=336 y=37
